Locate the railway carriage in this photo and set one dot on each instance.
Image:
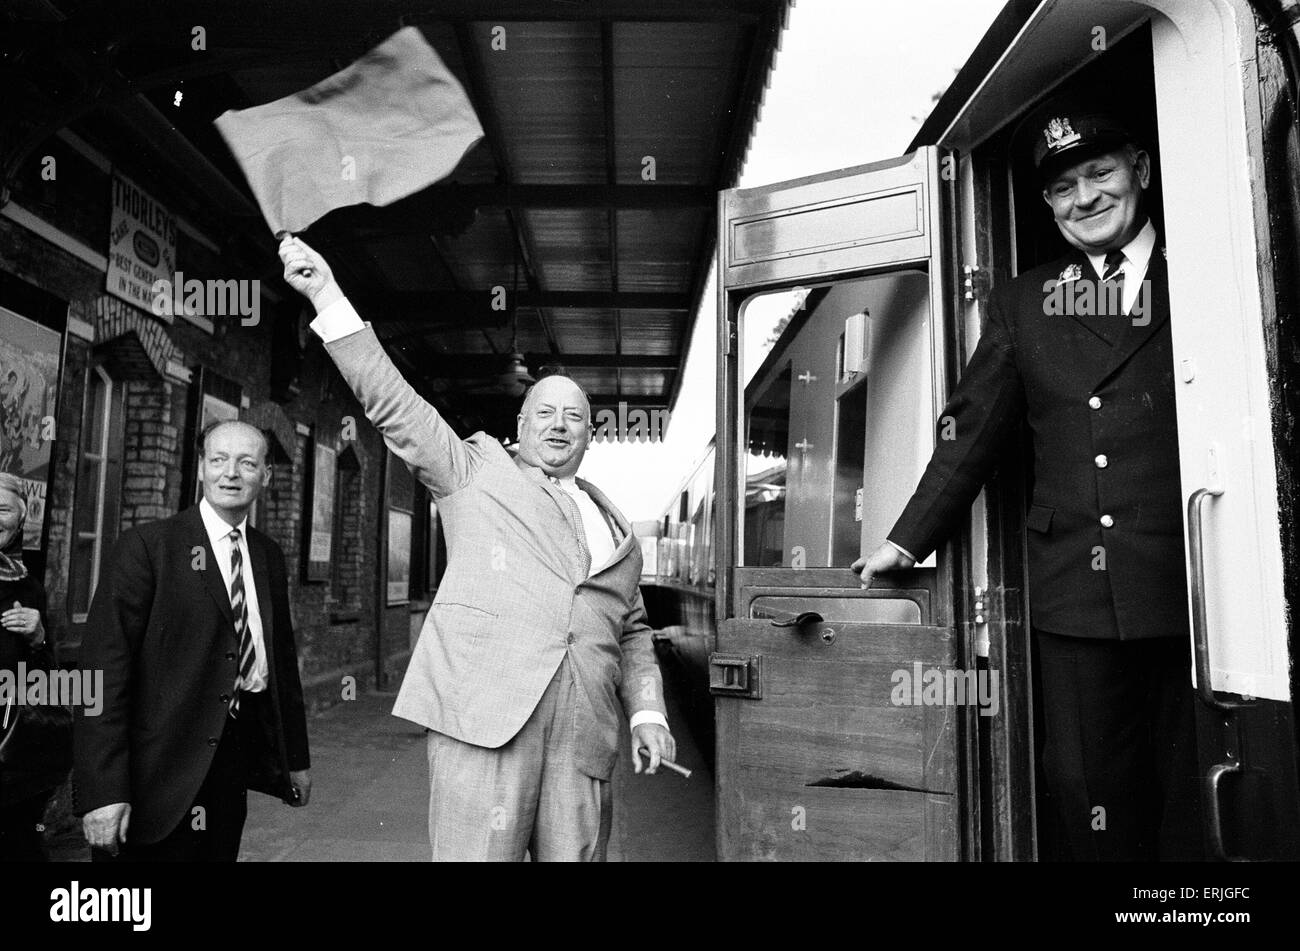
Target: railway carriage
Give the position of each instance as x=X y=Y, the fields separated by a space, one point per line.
x=807 y=686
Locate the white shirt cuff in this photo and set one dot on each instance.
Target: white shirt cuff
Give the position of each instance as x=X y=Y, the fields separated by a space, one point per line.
x=337 y=320
x=904 y=551
x=647 y=716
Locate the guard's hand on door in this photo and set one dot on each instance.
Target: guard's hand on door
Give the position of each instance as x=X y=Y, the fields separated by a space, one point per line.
x=884 y=558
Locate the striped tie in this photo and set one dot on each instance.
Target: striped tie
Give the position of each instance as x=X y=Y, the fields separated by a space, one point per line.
x=239 y=605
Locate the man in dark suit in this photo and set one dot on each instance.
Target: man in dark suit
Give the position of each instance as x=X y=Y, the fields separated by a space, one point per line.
x=202 y=700
x=1080 y=350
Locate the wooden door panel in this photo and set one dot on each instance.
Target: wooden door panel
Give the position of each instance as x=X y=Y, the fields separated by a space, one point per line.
x=775 y=820
x=826 y=737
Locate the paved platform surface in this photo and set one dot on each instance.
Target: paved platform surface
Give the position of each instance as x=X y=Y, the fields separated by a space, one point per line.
x=370 y=797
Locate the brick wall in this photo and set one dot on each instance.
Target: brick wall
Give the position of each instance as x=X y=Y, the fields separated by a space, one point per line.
x=150 y=451
x=338 y=624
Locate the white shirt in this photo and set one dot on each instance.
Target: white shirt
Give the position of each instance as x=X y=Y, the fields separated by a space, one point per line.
x=1137 y=255
x=337 y=320
x=340 y=319
x=219 y=537
x=600 y=540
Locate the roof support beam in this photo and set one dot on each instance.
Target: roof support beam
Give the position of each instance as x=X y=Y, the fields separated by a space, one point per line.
x=460 y=366
x=430 y=302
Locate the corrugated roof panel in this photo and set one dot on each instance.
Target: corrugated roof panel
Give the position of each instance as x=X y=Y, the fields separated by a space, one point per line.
x=571 y=248
x=657 y=249
x=545 y=88
x=597 y=382
x=482 y=255
x=653 y=333
x=671 y=84
x=583 y=331
x=644 y=382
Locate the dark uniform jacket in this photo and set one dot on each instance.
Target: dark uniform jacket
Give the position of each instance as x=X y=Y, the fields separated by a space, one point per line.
x=1105 y=445
x=162 y=631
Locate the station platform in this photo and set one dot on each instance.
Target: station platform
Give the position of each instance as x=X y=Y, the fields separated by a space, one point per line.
x=370 y=797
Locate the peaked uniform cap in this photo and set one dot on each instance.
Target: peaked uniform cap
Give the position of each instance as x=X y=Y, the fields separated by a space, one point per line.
x=1064 y=131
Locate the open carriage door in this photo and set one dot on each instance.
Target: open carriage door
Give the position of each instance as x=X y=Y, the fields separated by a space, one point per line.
x=837 y=734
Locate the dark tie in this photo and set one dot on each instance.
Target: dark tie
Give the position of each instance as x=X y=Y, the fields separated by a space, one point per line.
x=239 y=605
x=1102 y=320
x=1111 y=268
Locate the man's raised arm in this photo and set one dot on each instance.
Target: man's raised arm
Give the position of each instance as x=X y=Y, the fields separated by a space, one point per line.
x=411 y=427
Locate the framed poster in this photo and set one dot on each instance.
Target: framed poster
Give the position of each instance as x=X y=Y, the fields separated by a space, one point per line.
x=399 y=557
x=320 y=527
x=29 y=388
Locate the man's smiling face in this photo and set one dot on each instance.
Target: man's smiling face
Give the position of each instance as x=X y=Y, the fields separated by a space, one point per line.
x=554 y=426
x=1097 y=203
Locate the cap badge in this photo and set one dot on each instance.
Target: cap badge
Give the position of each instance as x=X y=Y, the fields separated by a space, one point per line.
x=1071 y=273
x=1059 y=134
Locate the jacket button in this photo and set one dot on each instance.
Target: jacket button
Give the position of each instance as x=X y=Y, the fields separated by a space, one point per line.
x=212 y=741
x=230 y=655
x=1102 y=462
x=1095 y=402
x=224 y=698
x=571 y=638
x=1107 y=521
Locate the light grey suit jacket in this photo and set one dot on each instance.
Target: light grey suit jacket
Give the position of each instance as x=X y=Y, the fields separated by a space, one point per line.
x=515 y=596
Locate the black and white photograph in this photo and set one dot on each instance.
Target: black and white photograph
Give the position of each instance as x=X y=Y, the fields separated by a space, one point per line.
x=853 y=432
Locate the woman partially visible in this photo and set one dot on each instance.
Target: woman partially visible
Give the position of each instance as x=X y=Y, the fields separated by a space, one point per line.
x=30 y=770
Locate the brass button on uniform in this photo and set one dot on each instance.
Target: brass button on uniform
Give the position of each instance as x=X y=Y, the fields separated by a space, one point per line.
x=1095 y=402
x=1107 y=521
x=224 y=698
x=1102 y=462
x=230 y=655
x=212 y=741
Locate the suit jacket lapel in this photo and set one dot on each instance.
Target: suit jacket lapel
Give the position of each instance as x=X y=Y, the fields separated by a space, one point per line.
x=212 y=579
x=1155 y=298
x=1077 y=259
x=610 y=510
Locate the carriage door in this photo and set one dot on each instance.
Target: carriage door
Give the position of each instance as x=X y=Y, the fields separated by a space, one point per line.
x=839 y=711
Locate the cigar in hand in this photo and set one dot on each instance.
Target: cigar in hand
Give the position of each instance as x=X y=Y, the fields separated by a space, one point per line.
x=669 y=764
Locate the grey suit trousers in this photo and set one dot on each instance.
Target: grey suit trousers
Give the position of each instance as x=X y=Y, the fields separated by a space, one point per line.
x=528 y=796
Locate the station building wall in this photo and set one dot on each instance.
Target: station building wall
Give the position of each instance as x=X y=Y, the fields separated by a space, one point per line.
x=343 y=622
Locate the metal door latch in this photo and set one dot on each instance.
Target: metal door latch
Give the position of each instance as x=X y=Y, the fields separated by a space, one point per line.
x=736 y=675
x=806 y=622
